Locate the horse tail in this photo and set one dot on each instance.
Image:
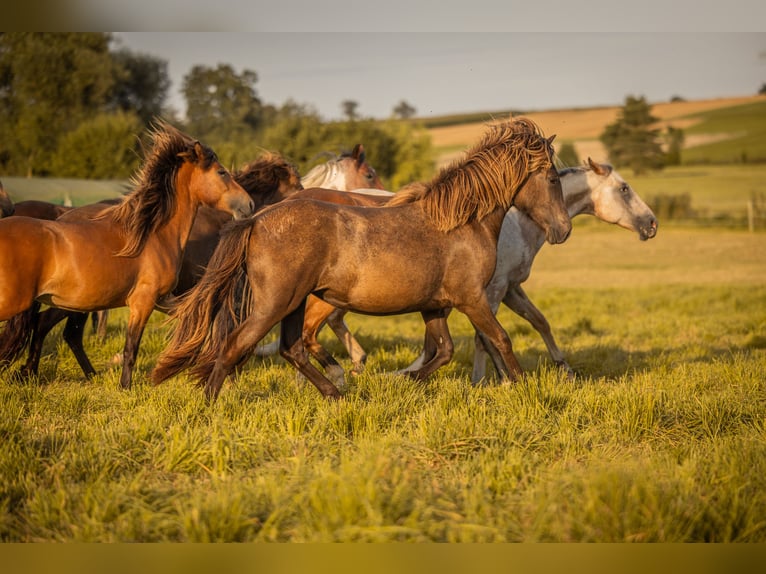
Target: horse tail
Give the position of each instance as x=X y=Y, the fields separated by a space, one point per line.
x=211 y=310
x=17 y=334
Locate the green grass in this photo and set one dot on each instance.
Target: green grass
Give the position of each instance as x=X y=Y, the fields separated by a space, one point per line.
x=659 y=438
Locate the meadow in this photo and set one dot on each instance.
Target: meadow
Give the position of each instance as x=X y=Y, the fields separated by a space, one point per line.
x=660 y=437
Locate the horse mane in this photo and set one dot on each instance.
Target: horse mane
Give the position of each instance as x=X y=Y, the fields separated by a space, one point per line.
x=318 y=175
x=153 y=199
x=486 y=178
x=262 y=176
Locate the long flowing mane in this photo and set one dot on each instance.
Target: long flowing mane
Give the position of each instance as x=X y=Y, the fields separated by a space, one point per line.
x=318 y=175
x=153 y=199
x=487 y=177
x=264 y=175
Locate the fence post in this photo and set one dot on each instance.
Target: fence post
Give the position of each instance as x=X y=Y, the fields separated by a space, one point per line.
x=750 y=216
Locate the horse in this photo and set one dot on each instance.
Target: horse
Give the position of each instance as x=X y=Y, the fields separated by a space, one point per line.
x=595 y=189
x=346 y=172
x=429 y=249
x=268 y=179
x=119 y=255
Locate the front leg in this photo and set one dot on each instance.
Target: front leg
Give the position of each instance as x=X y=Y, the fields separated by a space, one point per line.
x=438 y=346
x=496 y=340
x=516 y=299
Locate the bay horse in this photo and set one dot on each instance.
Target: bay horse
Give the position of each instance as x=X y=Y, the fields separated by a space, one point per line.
x=595 y=189
x=429 y=249
x=121 y=255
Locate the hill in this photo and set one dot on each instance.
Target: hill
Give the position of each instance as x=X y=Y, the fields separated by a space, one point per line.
x=705 y=122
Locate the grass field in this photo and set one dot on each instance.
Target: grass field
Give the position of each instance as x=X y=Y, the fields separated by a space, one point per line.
x=660 y=438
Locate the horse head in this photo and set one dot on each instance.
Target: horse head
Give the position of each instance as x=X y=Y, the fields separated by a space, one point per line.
x=212 y=184
x=614 y=201
x=542 y=199
x=359 y=174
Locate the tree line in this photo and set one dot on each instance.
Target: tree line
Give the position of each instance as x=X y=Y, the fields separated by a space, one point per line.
x=73 y=105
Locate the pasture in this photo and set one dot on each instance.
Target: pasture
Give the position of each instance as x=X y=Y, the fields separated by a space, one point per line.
x=659 y=438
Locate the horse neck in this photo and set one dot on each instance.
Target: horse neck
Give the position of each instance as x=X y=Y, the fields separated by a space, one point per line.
x=177 y=229
x=578 y=192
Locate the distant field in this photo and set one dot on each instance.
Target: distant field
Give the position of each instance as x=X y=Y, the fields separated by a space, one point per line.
x=583 y=126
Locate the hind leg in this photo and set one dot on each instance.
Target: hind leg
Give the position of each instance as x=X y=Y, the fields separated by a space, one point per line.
x=292 y=349
x=317 y=311
x=235 y=350
x=73 y=331
x=45 y=321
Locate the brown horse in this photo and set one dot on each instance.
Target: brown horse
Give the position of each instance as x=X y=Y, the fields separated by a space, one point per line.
x=432 y=248
x=267 y=180
x=122 y=255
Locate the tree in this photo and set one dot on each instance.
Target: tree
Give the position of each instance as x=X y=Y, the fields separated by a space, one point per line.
x=762 y=91
x=630 y=141
x=674 y=142
x=221 y=105
x=141 y=84
x=104 y=147
x=349 y=109
x=49 y=83
x=404 y=110
x=567 y=154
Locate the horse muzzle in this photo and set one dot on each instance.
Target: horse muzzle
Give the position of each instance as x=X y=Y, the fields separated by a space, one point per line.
x=649 y=230
x=558 y=233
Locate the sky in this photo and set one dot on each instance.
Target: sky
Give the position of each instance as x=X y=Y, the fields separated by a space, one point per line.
x=453 y=72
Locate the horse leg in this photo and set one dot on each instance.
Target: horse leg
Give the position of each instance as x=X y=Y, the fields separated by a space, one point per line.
x=355 y=351
x=496 y=340
x=73 y=331
x=100 y=319
x=235 y=349
x=317 y=311
x=138 y=316
x=44 y=322
x=438 y=347
x=291 y=347
x=516 y=299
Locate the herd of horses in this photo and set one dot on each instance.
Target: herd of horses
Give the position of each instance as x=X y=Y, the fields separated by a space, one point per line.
x=228 y=256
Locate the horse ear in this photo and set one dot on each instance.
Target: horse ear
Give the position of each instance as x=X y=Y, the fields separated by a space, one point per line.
x=358 y=154
x=550 y=139
x=597 y=168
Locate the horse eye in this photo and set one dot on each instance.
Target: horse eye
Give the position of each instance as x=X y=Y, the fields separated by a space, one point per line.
x=625 y=189
x=222 y=172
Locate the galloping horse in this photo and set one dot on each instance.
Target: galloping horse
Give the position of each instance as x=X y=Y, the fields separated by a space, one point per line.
x=597 y=190
x=268 y=179
x=126 y=254
x=431 y=248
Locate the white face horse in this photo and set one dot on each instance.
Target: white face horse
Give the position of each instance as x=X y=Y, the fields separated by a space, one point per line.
x=349 y=171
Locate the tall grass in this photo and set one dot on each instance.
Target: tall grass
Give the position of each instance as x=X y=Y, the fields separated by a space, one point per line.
x=661 y=436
